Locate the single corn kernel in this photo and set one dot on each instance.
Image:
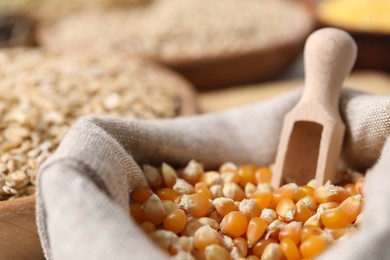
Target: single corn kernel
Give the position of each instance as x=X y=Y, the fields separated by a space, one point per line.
x=291 y=231
x=268 y=215
x=224 y=206
x=228 y=167
x=195 y=204
x=234 y=224
x=191 y=227
x=327 y=205
x=235 y=253
x=340 y=232
x=310 y=201
x=313 y=246
x=183 y=187
x=250 y=188
x=192 y=172
x=230 y=176
x=148 y=227
x=153 y=176
x=249 y=208
x=216 y=252
x=286 y=209
x=287 y=191
x=247 y=174
x=352 y=206
x=204 y=237
x=303 y=191
x=211 y=178
x=329 y=192
x=233 y=191
x=175 y=221
x=263 y=175
x=214 y=215
x=314 y=220
x=226 y=241
x=274 y=228
x=184 y=243
x=334 y=218
x=216 y=190
x=263 y=195
x=351 y=188
x=136 y=212
x=210 y=222
x=203 y=189
x=272 y=252
x=309 y=231
x=169 y=206
x=241 y=245
x=164 y=238
x=169 y=175
x=303 y=212
x=289 y=249
x=153 y=210
x=312 y=183
x=255 y=231
x=259 y=247
x=141 y=194
x=167 y=194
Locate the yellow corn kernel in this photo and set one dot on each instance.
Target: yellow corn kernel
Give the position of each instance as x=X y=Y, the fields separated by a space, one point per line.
x=359 y=186
x=148 y=227
x=274 y=228
x=204 y=237
x=153 y=176
x=340 y=232
x=255 y=231
x=183 y=187
x=327 y=205
x=263 y=195
x=303 y=212
x=334 y=218
x=259 y=247
x=309 y=231
x=250 y=208
x=291 y=231
x=211 y=178
x=263 y=175
x=310 y=201
x=287 y=191
x=230 y=176
x=153 y=210
x=175 y=221
x=195 y=204
x=314 y=220
x=183 y=243
x=313 y=246
x=224 y=205
x=136 y=212
x=210 y=222
x=169 y=175
x=234 y=224
x=216 y=190
x=268 y=215
x=228 y=167
x=214 y=215
x=352 y=206
x=203 y=189
x=192 y=172
x=164 y=238
x=329 y=192
x=241 y=245
x=289 y=249
x=167 y=194
x=169 y=206
x=303 y=191
x=140 y=195
x=216 y=252
x=272 y=252
x=233 y=191
x=350 y=187
x=191 y=227
x=250 y=188
x=286 y=209
x=247 y=174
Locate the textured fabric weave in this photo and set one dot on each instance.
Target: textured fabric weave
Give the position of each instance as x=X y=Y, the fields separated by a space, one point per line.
x=83 y=189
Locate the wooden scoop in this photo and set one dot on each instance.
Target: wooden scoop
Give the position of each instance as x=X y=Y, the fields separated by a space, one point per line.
x=312 y=134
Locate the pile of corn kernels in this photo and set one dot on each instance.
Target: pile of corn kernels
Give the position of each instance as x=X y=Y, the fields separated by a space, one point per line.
x=234 y=213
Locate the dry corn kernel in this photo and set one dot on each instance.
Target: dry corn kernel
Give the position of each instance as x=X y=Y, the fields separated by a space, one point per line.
x=287 y=191
x=268 y=215
x=263 y=175
x=224 y=206
x=183 y=243
x=153 y=210
x=216 y=190
x=153 y=176
x=211 y=178
x=359 y=186
x=289 y=249
x=167 y=194
x=233 y=191
x=141 y=194
x=203 y=189
x=314 y=220
x=303 y=191
x=164 y=238
x=191 y=227
x=175 y=221
x=252 y=257
x=255 y=230
x=313 y=246
x=274 y=228
x=250 y=188
x=303 y=212
x=327 y=205
x=241 y=245
x=183 y=187
x=216 y=252
x=286 y=209
x=169 y=175
x=340 y=232
x=136 y=212
x=310 y=201
x=196 y=204
x=234 y=224
x=263 y=195
x=249 y=208
x=272 y=252
x=329 y=192
x=226 y=241
x=334 y=218
x=148 y=227
x=204 y=237
x=214 y=215
x=169 y=206
x=247 y=174
x=259 y=247
x=351 y=188
x=192 y=172
x=352 y=206
x=210 y=222
x=291 y=231
x=230 y=176
x=309 y=231
x=228 y=167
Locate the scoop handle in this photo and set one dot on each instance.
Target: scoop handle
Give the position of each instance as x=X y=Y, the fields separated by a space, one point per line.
x=329 y=56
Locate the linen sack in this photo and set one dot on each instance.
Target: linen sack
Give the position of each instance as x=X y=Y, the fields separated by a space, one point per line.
x=83 y=189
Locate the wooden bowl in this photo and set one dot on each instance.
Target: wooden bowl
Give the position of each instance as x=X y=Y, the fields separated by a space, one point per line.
x=18 y=232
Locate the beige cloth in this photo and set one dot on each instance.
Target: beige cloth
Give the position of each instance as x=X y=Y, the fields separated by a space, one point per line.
x=83 y=189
